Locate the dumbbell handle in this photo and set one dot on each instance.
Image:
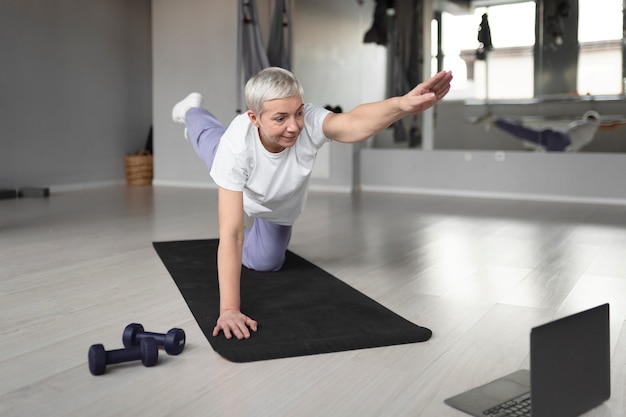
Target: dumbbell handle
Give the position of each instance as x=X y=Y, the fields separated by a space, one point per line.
x=158 y=337
x=132 y=353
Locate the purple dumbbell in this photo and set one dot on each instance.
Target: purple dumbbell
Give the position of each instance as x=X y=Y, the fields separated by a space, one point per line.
x=173 y=341
x=147 y=352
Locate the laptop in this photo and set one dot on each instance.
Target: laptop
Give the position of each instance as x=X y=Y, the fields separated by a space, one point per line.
x=569 y=372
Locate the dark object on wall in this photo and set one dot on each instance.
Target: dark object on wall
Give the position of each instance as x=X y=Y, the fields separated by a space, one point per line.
x=148 y=146
x=334 y=109
x=484 y=38
x=279 y=46
x=555 y=23
x=34 y=192
x=415 y=137
x=378 y=32
x=405 y=59
x=7 y=193
x=557 y=48
x=252 y=56
x=399 y=27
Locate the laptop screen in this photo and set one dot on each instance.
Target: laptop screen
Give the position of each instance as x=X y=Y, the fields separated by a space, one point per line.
x=570 y=364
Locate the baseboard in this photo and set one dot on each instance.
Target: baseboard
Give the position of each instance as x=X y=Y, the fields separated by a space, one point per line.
x=494 y=195
x=84 y=186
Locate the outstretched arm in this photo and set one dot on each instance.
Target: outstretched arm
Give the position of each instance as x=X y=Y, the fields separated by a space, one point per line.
x=612 y=125
x=368 y=119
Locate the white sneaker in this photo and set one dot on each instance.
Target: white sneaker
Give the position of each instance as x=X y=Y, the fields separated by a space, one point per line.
x=180 y=109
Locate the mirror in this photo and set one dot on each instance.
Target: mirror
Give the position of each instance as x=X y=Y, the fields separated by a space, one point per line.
x=524 y=67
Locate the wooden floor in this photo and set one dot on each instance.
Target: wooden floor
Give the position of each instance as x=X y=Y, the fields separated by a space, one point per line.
x=77 y=267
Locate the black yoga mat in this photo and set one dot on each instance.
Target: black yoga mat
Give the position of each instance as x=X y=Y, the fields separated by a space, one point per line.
x=300 y=310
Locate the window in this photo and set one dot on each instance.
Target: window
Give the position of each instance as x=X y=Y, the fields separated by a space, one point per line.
x=600 y=38
x=508 y=68
x=508 y=71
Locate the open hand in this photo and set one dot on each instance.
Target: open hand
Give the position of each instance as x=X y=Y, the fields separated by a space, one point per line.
x=233 y=322
x=427 y=94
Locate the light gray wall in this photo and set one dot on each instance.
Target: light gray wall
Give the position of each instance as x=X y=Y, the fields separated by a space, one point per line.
x=75 y=82
x=592 y=178
x=194 y=49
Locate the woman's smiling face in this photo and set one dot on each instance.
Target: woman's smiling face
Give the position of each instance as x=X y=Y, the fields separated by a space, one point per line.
x=280 y=123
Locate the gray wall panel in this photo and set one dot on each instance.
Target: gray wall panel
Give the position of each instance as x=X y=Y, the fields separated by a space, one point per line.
x=76 y=84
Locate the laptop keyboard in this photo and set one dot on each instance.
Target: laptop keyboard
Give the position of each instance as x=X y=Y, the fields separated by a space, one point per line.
x=518 y=407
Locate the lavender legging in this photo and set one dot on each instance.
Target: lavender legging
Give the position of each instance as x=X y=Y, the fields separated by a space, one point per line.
x=550 y=139
x=265 y=243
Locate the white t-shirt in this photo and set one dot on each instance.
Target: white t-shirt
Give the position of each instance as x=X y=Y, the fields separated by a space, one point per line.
x=581 y=133
x=274 y=185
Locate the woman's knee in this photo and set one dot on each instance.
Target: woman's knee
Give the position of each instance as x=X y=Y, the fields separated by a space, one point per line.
x=265 y=246
x=264 y=263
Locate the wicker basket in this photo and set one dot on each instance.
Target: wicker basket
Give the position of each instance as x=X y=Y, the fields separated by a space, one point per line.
x=139 y=168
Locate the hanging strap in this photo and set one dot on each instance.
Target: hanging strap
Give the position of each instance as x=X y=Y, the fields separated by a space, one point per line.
x=238 y=73
x=279 y=47
x=251 y=54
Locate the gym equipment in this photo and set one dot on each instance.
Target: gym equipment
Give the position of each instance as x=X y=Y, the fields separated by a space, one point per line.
x=99 y=358
x=7 y=193
x=33 y=192
x=173 y=341
x=301 y=319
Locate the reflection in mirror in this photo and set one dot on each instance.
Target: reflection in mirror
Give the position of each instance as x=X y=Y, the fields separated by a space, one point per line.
x=577 y=71
x=551 y=62
x=398 y=26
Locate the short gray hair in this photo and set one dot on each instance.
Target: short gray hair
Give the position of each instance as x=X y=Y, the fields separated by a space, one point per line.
x=271 y=84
